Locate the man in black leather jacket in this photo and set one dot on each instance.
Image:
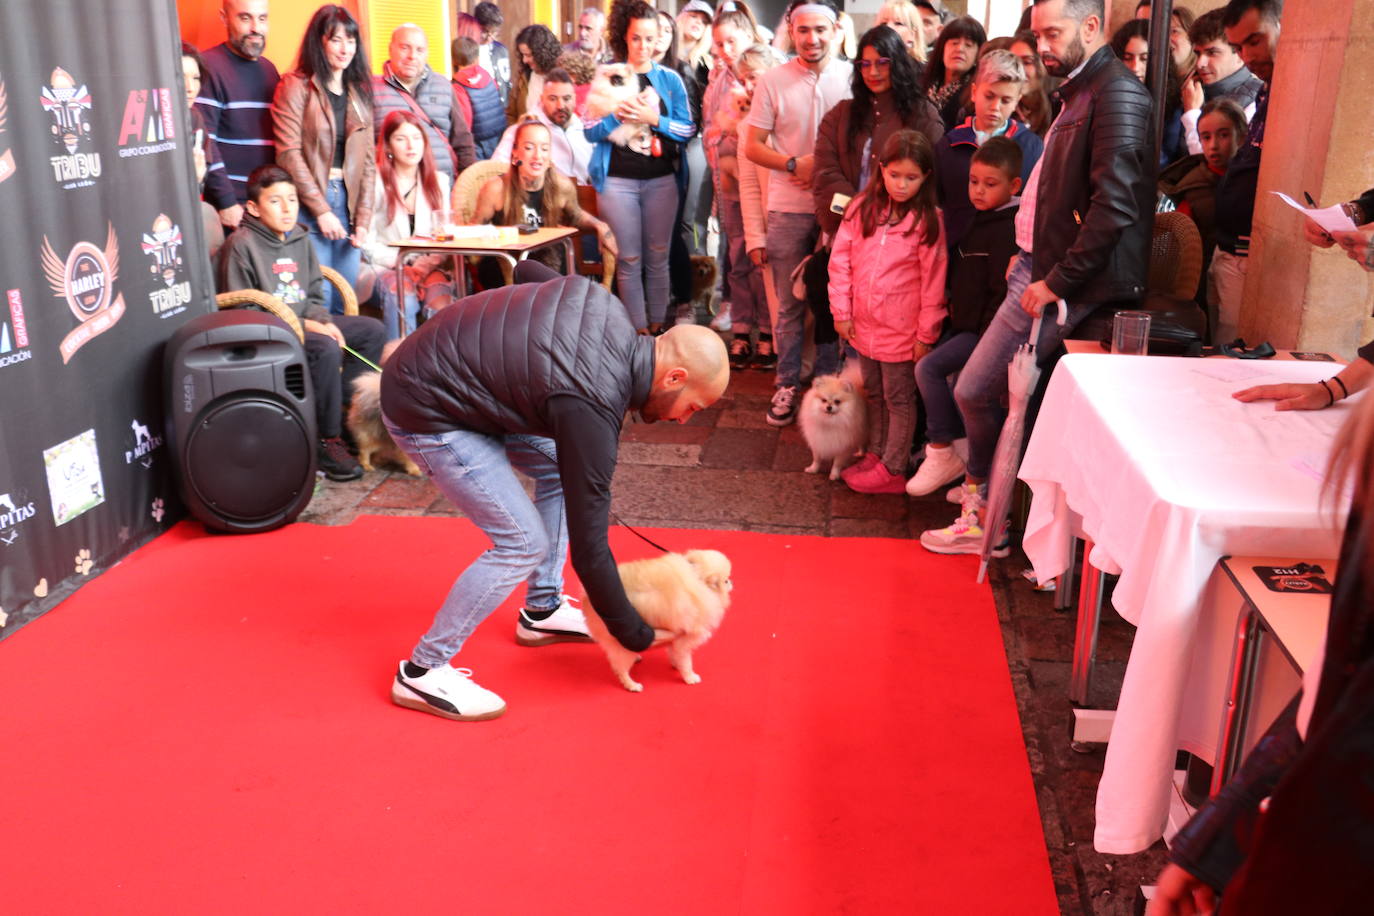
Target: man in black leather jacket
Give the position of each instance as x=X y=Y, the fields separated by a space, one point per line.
x=1083 y=228
x=534 y=378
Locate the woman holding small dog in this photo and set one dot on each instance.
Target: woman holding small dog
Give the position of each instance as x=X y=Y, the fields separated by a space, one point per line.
x=887 y=293
x=638 y=186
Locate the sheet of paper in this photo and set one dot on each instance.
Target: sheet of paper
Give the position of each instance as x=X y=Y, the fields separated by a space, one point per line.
x=1228 y=370
x=1332 y=219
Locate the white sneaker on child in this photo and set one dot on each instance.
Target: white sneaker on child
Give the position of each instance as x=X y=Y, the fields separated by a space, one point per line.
x=940 y=467
x=966 y=534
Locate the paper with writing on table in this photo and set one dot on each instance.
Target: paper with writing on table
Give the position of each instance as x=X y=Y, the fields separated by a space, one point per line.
x=1227 y=370
x=1332 y=219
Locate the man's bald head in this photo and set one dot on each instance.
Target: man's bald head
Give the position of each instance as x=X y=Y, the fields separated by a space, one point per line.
x=245 y=25
x=408 y=52
x=691 y=371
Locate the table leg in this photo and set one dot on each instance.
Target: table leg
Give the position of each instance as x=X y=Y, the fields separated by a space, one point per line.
x=1244 y=661
x=1085 y=636
x=1063 y=589
x=400 y=294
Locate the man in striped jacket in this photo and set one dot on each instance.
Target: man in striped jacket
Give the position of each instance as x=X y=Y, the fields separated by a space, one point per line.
x=236 y=101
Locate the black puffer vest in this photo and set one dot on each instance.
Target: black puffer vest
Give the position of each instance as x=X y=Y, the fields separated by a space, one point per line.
x=491 y=362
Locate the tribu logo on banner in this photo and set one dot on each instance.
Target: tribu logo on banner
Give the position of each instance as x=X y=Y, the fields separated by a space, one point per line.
x=86 y=280
x=148 y=122
x=14 y=333
x=69 y=104
x=163 y=245
x=6 y=154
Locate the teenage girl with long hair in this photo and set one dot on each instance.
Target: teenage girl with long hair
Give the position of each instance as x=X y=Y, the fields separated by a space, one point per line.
x=322 y=127
x=410 y=189
x=887 y=294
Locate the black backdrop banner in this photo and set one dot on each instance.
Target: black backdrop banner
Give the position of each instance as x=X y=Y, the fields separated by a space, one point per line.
x=102 y=257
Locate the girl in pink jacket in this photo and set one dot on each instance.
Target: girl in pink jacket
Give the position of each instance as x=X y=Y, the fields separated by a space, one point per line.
x=887 y=294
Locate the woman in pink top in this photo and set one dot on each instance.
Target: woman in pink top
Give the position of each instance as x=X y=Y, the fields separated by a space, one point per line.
x=887 y=294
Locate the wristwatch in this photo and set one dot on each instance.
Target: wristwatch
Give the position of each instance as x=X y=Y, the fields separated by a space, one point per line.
x=792 y=164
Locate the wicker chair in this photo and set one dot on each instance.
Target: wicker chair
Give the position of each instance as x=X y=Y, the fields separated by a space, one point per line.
x=1175 y=256
x=469 y=185
x=255 y=298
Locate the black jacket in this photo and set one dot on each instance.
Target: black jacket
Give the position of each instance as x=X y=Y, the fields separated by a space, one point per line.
x=558 y=359
x=978 y=268
x=1094 y=210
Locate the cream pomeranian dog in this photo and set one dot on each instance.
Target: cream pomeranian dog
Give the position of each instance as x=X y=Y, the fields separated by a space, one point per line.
x=834 y=422
x=684 y=594
x=613 y=85
x=375 y=445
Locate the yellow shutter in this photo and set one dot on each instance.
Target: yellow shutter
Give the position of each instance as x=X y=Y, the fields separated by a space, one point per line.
x=382 y=16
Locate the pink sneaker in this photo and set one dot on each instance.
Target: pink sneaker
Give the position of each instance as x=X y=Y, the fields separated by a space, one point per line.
x=862 y=466
x=877 y=479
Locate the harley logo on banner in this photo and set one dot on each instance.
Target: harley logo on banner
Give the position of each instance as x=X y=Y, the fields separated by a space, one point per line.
x=86 y=281
x=69 y=103
x=6 y=154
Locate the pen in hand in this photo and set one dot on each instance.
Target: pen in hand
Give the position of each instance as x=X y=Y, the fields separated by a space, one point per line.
x=1313 y=204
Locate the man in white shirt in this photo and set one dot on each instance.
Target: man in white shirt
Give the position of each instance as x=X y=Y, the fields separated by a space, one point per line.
x=789 y=102
x=557 y=106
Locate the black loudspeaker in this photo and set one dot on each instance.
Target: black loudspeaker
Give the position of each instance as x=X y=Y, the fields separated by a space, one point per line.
x=241 y=420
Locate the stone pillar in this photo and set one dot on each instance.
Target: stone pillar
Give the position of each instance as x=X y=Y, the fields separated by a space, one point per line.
x=1317 y=140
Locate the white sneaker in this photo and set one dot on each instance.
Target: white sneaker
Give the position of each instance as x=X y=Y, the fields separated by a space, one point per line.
x=722 y=320
x=940 y=467
x=565 y=624
x=448 y=692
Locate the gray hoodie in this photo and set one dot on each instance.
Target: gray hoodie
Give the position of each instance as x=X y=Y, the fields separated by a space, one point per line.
x=253 y=257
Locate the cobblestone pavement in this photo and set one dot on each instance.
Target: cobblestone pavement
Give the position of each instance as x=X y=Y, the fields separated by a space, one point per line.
x=728 y=469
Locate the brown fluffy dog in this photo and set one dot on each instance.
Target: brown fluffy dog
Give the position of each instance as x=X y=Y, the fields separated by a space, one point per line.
x=834 y=422
x=375 y=445
x=685 y=594
x=703 y=284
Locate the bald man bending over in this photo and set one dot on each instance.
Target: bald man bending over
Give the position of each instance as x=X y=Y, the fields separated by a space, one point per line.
x=534 y=378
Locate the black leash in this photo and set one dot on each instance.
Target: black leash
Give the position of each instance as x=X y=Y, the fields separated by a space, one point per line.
x=643 y=538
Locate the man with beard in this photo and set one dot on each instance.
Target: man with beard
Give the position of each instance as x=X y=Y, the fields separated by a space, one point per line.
x=236 y=100
x=407 y=83
x=1252 y=26
x=1083 y=228
x=789 y=102
x=534 y=378
x=567 y=144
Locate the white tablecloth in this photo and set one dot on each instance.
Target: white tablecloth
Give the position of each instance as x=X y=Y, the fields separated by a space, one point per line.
x=1166 y=473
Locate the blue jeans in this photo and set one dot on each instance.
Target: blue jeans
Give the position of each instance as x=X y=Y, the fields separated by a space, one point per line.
x=791 y=238
x=748 y=302
x=642 y=215
x=982 y=387
x=529 y=539
x=336 y=253
x=943 y=424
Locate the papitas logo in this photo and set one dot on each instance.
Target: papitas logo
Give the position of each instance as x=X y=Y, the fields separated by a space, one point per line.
x=163 y=245
x=148 y=123
x=144 y=443
x=86 y=280
x=69 y=103
x=14 y=333
x=6 y=154
x=12 y=515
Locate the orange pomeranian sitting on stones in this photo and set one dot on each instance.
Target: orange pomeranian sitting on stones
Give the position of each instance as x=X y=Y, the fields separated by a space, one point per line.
x=684 y=594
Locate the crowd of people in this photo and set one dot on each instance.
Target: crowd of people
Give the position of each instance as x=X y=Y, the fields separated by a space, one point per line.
x=803 y=147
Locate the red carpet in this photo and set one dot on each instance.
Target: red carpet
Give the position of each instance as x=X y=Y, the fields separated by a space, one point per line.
x=206 y=729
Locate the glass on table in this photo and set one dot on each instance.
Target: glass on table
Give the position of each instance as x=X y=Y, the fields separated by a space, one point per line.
x=1131 y=333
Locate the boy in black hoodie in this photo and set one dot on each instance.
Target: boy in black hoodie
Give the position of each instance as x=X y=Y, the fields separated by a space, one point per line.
x=272 y=253
x=978 y=284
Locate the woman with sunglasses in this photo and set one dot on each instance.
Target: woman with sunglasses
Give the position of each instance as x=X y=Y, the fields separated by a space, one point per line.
x=886 y=98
